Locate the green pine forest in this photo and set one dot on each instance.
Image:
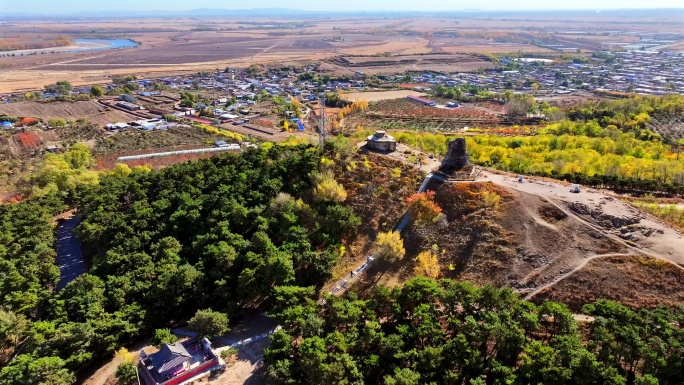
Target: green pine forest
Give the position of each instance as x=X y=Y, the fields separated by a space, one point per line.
x=447 y=332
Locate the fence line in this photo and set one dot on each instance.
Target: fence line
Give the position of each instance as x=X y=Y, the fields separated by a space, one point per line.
x=233 y=147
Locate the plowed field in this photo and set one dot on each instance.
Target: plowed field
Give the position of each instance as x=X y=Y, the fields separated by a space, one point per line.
x=91 y=110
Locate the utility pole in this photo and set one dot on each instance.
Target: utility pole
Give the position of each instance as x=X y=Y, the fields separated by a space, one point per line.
x=322 y=129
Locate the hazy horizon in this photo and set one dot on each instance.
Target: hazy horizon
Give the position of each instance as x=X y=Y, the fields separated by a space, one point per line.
x=85 y=6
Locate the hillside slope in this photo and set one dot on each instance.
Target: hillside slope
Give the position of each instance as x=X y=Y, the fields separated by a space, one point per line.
x=634 y=281
x=537 y=236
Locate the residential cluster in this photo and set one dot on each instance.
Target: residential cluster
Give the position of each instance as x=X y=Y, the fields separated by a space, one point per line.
x=230 y=96
x=641 y=72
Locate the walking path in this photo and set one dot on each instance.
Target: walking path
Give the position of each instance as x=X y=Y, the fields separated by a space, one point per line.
x=341 y=285
x=247 y=341
x=69 y=258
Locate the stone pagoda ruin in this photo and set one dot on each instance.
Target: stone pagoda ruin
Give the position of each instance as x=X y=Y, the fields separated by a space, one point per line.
x=456 y=163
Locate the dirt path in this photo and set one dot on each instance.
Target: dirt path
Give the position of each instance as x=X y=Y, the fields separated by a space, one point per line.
x=105 y=374
x=251 y=59
x=568 y=274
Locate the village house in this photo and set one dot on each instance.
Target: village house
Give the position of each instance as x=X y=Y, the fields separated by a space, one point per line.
x=178 y=362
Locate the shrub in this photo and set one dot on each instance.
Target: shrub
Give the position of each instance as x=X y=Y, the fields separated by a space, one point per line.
x=208 y=323
x=163 y=336
x=229 y=352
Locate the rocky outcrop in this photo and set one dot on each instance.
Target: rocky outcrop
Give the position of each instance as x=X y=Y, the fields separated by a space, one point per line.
x=608 y=221
x=456 y=159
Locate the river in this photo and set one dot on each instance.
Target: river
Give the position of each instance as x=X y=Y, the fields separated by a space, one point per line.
x=102 y=44
x=69 y=258
x=78 y=45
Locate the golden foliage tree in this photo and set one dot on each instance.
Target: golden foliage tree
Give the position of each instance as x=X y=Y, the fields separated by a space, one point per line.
x=61 y=172
x=328 y=189
x=121 y=169
x=390 y=246
x=427 y=265
x=124 y=355
x=126 y=370
x=296 y=107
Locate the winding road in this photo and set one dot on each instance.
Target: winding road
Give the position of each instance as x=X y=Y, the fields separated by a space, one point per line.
x=69 y=258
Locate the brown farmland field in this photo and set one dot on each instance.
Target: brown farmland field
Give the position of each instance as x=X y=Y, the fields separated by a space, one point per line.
x=377 y=96
x=91 y=110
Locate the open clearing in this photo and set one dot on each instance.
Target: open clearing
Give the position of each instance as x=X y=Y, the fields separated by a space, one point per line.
x=377 y=96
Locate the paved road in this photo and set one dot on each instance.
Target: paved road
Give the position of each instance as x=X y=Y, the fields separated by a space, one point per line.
x=69 y=258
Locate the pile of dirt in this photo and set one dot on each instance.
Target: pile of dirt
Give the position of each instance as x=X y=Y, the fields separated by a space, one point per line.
x=542 y=242
x=635 y=281
x=377 y=187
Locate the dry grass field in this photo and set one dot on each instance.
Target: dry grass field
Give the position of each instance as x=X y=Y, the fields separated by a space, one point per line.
x=377 y=96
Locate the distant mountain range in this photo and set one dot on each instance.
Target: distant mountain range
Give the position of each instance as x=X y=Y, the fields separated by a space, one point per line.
x=298 y=13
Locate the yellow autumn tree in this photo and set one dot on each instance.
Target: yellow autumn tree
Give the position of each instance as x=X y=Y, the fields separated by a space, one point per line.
x=62 y=172
x=328 y=189
x=296 y=106
x=121 y=169
x=124 y=355
x=390 y=246
x=143 y=168
x=126 y=371
x=427 y=265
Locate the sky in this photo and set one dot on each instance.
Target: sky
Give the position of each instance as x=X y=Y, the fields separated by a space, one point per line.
x=71 y=6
